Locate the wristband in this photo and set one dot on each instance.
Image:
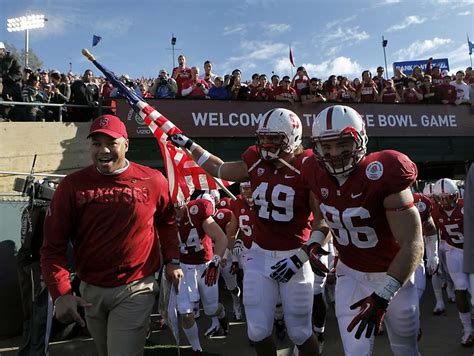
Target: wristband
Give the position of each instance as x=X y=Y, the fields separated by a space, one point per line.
x=302 y=256
x=316 y=236
x=388 y=288
x=204 y=157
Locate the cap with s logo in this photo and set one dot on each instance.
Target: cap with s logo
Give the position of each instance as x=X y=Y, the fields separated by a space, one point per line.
x=110 y=125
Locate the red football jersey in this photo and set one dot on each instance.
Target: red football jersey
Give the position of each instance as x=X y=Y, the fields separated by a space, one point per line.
x=355 y=211
x=246 y=217
x=423 y=204
x=281 y=203
x=451 y=226
x=222 y=218
x=198 y=244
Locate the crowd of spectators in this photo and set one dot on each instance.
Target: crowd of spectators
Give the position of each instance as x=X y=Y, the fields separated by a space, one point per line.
x=91 y=93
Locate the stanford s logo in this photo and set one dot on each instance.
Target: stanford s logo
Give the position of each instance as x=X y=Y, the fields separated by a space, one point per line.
x=103 y=122
x=324 y=192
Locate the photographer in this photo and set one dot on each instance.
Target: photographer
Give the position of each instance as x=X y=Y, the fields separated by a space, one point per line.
x=164 y=86
x=194 y=88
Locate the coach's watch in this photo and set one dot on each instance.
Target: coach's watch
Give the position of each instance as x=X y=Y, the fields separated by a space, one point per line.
x=174 y=261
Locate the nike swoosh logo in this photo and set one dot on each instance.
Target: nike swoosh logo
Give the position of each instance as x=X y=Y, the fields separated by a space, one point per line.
x=353 y=196
x=287 y=176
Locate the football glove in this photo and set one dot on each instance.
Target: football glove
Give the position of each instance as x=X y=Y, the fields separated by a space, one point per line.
x=180 y=140
x=370 y=316
x=238 y=247
x=234 y=268
x=286 y=268
x=432 y=265
x=211 y=273
x=315 y=252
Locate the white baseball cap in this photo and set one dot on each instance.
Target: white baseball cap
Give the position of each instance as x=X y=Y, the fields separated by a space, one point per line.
x=2 y=45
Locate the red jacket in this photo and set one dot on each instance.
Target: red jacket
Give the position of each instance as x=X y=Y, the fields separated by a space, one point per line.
x=116 y=224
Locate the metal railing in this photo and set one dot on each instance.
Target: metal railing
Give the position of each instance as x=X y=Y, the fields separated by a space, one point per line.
x=64 y=105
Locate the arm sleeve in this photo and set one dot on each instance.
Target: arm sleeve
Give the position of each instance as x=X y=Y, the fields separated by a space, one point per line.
x=165 y=223
x=58 y=225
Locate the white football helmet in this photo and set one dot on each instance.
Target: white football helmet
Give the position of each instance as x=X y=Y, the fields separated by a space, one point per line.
x=428 y=190
x=279 y=132
x=446 y=194
x=337 y=122
x=246 y=191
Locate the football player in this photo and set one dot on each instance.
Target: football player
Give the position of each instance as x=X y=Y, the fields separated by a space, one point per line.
x=276 y=264
x=200 y=264
x=441 y=277
x=366 y=201
x=228 y=267
x=448 y=216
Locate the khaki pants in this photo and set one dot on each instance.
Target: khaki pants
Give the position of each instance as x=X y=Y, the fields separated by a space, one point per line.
x=119 y=317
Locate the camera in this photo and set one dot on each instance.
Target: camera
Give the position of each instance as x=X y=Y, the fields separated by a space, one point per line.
x=40 y=189
x=198 y=84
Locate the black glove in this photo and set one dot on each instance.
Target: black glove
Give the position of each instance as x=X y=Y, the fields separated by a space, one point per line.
x=371 y=314
x=211 y=273
x=284 y=269
x=315 y=252
x=180 y=140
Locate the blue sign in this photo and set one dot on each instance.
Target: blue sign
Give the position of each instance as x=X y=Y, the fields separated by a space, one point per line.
x=407 y=66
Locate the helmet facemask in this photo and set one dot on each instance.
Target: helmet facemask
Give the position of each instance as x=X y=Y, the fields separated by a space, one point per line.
x=446 y=201
x=272 y=145
x=345 y=162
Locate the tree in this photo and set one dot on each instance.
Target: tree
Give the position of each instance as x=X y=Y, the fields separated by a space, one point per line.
x=34 y=62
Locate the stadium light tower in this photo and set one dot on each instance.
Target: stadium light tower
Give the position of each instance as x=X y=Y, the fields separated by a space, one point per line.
x=25 y=23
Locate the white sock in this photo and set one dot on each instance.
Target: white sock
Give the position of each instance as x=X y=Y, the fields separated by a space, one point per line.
x=438 y=291
x=235 y=299
x=466 y=322
x=318 y=330
x=193 y=337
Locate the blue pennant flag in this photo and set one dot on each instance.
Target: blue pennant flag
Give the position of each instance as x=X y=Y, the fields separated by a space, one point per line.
x=95 y=40
x=470 y=45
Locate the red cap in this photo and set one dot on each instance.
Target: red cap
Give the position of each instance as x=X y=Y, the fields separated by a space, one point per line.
x=110 y=125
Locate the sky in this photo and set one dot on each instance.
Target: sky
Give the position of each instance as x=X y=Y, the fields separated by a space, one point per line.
x=341 y=37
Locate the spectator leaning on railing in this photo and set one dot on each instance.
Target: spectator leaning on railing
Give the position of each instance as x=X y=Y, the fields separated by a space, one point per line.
x=285 y=92
x=218 y=91
x=60 y=93
x=446 y=92
x=389 y=94
x=429 y=91
x=194 y=88
x=367 y=90
x=412 y=95
x=314 y=93
x=31 y=94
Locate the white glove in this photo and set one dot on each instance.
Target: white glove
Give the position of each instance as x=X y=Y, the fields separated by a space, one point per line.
x=432 y=259
x=286 y=268
x=238 y=247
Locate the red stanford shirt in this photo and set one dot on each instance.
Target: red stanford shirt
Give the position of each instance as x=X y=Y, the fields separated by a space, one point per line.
x=198 y=245
x=451 y=226
x=355 y=211
x=113 y=222
x=246 y=217
x=281 y=203
x=423 y=204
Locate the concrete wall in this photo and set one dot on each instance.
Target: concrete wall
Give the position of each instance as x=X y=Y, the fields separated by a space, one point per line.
x=61 y=148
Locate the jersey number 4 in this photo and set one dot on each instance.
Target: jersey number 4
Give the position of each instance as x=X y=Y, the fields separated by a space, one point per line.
x=344 y=230
x=192 y=243
x=281 y=198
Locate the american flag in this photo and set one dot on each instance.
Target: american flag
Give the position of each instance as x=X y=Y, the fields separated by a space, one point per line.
x=184 y=175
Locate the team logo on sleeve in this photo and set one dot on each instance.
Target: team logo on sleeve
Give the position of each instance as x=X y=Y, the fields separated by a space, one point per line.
x=324 y=192
x=374 y=170
x=220 y=216
x=194 y=210
x=260 y=171
x=242 y=211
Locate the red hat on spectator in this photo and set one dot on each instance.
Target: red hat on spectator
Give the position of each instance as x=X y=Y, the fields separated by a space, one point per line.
x=110 y=125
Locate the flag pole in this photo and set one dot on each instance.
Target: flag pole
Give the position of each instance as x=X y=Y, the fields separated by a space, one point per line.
x=291 y=65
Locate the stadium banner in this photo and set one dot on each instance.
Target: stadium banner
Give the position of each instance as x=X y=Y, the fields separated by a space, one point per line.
x=407 y=66
x=213 y=118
